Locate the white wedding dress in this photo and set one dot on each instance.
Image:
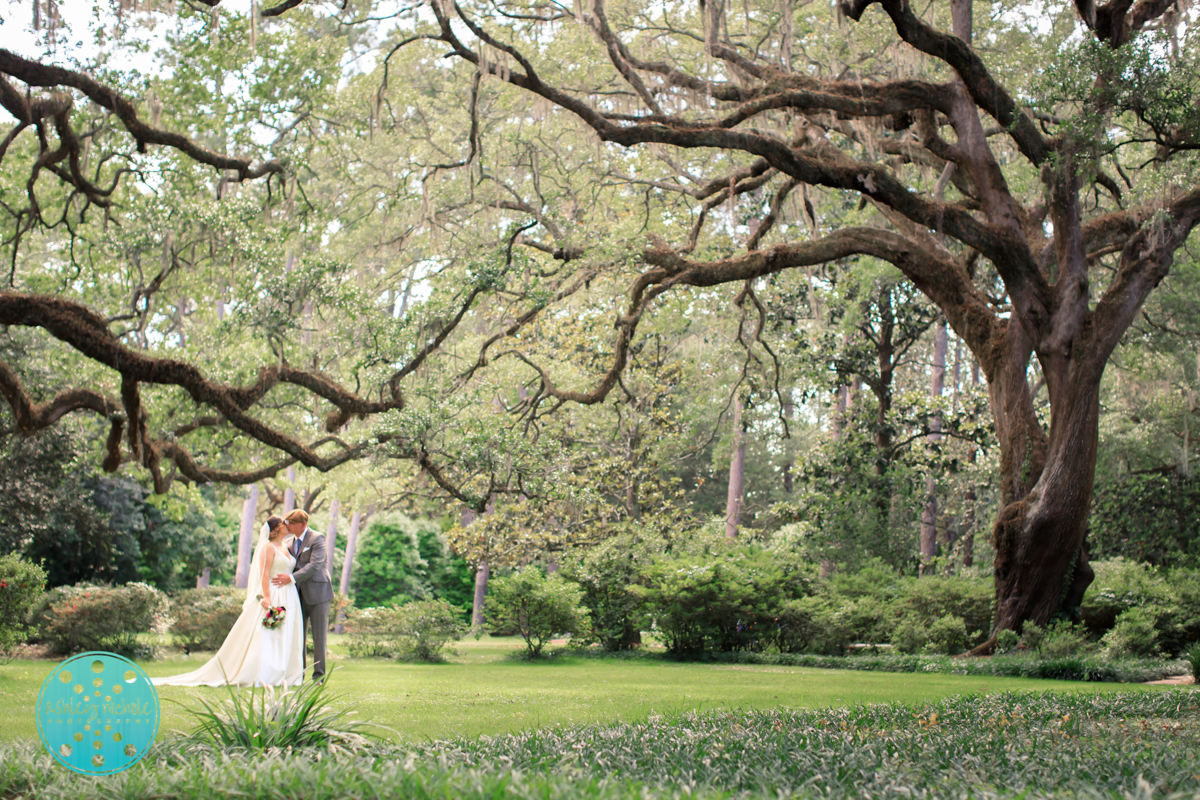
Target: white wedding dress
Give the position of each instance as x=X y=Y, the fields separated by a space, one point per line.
x=251 y=654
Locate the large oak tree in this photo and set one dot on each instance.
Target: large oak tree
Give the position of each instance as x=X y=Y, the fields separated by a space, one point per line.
x=1022 y=194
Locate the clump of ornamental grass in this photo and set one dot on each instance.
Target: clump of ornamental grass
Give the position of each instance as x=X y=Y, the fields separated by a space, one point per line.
x=267 y=718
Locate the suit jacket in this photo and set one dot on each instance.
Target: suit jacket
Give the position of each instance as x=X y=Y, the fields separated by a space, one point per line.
x=311 y=572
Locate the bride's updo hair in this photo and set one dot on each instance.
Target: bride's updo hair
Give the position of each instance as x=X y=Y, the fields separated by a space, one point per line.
x=274 y=523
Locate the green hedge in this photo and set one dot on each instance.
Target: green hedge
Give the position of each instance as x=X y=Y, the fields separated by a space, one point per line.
x=90 y=617
x=204 y=617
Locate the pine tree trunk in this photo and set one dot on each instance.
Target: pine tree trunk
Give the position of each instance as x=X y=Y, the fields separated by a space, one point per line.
x=246 y=538
x=289 y=494
x=478 y=607
x=929 y=515
x=737 y=474
x=348 y=565
x=331 y=534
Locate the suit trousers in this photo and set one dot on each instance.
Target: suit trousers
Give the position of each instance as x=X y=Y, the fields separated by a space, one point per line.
x=317 y=616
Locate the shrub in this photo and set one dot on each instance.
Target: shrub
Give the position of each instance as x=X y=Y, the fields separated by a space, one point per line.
x=538 y=607
x=1063 y=639
x=1006 y=641
x=728 y=599
x=1031 y=636
x=417 y=630
x=1133 y=635
x=811 y=625
x=605 y=573
x=427 y=626
x=1120 y=585
x=89 y=617
x=372 y=632
x=945 y=635
x=1193 y=659
x=21 y=584
x=936 y=596
x=203 y=617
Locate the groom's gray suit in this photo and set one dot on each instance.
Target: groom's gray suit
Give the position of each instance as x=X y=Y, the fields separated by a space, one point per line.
x=311 y=575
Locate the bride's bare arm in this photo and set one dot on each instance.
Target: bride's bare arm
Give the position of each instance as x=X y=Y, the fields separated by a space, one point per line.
x=268 y=560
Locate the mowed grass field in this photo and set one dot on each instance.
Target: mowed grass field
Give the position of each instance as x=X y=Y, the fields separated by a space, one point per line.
x=480 y=691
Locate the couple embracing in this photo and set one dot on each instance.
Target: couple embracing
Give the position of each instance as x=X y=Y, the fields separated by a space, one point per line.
x=289 y=570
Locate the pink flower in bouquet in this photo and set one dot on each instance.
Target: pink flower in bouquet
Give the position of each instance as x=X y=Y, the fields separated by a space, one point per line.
x=274 y=617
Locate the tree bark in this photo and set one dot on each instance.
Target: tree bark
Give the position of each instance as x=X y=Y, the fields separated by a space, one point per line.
x=348 y=565
x=289 y=494
x=735 y=498
x=331 y=534
x=929 y=515
x=789 y=445
x=246 y=538
x=479 y=605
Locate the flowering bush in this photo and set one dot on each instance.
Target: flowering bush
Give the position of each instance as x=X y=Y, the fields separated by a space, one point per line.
x=203 y=617
x=21 y=583
x=91 y=617
x=416 y=630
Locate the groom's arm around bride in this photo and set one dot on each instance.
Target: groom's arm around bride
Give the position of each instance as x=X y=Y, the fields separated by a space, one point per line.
x=311 y=576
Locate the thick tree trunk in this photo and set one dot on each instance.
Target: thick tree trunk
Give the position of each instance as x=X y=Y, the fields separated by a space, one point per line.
x=1041 y=565
x=737 y=474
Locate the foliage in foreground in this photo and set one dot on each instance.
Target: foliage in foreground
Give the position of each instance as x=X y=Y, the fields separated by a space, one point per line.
x=1030 y=744
x=269 y=717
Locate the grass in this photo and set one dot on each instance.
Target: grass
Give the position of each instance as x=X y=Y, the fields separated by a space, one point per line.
x=1031 y=745
x=481 y=692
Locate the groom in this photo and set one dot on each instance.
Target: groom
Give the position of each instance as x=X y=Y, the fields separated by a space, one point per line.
x=311 y=576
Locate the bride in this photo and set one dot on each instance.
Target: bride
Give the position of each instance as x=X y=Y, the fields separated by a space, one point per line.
x=253 y=655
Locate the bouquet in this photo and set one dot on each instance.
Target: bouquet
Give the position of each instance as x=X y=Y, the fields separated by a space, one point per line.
x=274 y=617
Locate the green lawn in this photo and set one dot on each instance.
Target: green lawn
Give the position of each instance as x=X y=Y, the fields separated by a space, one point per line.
x=480 y=692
